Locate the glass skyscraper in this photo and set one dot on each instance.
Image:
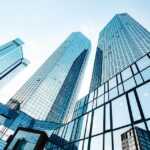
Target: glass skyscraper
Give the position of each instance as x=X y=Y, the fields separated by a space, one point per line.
x=118 y=100
x=115 y=113
x=11 y=56
x=122 y=41
x=49 y=93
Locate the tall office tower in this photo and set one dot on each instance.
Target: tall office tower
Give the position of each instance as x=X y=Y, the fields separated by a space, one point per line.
x=10 y=56
x=140 y=142
x=122 y=41
x=49 y=93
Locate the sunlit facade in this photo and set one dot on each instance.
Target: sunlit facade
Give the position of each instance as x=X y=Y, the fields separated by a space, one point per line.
x=122 y=41
x=11 y=56
x=118 y=100
x=48 y=94
x=117 y=106
x=115 y=114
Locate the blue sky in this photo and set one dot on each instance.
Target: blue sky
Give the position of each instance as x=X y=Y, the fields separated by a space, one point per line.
x=44 y=24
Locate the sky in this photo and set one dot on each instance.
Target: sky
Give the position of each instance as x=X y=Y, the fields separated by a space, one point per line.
x=44 y=24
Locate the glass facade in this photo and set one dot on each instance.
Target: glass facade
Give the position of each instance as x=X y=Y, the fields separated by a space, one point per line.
x=97 y=70
x=114 y=115
x=55 y=82
x=103 y=116
x=122 y=42
x=11 y=56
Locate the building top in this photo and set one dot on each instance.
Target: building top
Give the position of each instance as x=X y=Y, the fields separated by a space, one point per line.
x=10 y=45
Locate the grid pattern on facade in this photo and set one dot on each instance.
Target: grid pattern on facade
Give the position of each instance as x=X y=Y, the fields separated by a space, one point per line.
x=120 y=104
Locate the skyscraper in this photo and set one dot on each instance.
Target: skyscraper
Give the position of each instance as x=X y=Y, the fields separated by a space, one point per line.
x=11 y=56
x=122 y=41
x=111 y=108
x=49 y=92
x=121 y=101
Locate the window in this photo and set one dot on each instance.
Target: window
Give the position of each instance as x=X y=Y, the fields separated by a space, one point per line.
x=108 y=144
x=146 y=74
x=120 y=89
x=119 y=79
x=112 y=83
x=143 y=63
x=85 y=144
x=129 y=84
x=113 y=93
x=107 y=117
x=89 y=107
x=83 y=125
x=126 y=74
x=134 y=69
x=88 y=125
x=101 y=90
x=100 y=100
x=138 y=79
x=69 y=131
x=97 y=121
x=91 y=96
x=144 y=96
x=134 y=106
x=96 y=143
x=120 y=112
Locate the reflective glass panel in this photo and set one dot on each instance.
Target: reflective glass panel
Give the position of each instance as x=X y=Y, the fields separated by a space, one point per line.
x=120 y=112
x=97 y=121
x=144 y=96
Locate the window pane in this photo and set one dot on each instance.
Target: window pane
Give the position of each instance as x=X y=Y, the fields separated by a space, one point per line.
x=89 y=107
x=69 y=131
x=126 y=74
x=113 y=93
x=112 y=83
x=106 y=86
x=108 y=145
x=120 y=88
x=134 y=106
x=146 y=74
x=80 y=145
x=143 y=63
x=100 y=100
x=144 y=96
x=97 y=121
x=129 y=84
x=85 y=144
x=91 y=96
x=134 y=69
x=118 y=77
x=138 y=79
x=100 y=90
x=106 y=97
x=96 y=143
x=107 y=117
x=83 y=126
x=120 y=112
x=88 y=125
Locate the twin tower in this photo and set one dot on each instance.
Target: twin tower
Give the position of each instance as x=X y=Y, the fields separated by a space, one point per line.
x=50 y=93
